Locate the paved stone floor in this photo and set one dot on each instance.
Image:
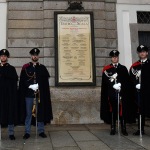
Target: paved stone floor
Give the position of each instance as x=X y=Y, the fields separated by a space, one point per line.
x=77 y=137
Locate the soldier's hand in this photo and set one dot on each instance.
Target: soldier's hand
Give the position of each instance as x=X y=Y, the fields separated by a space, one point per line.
x=117 y=86
x=34 y=87
x=138 y=86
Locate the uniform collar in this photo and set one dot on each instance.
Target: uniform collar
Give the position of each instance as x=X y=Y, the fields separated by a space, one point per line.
x=6 y=64
x=34 y=64
x=115 y=65
x=144 y=60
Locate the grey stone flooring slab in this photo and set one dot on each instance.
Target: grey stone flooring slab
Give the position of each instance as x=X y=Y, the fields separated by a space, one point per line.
x=62 y=139
x=93 y=145
x=116 y=142
x=67 y=148
x=77 y=137
x=143 y=142
x=83 y=136
x=34 y=139
x=7 y=144
x=38 y=146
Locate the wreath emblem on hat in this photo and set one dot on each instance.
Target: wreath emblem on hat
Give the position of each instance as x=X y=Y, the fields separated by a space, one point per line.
x=114 y=51
x=142 y=46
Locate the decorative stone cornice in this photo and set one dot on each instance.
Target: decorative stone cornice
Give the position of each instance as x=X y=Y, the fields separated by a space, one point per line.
x=137 y=2
x=2 y=1
x=108 y=1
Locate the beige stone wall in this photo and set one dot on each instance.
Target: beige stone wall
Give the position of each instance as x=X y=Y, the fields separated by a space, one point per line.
x=31 y=24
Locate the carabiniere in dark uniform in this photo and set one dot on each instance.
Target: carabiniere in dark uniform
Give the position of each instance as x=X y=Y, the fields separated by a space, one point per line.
x=135 y=75
x=112 y=74
x=34 y=73
x=8 y=94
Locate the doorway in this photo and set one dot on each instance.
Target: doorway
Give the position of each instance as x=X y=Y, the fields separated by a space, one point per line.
x=144 y=39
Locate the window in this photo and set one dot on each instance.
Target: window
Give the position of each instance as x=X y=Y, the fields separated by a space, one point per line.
x=143 y=17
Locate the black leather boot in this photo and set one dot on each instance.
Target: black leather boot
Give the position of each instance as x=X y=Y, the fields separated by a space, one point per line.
x=123 y=127
x=124 y=132
x=138 y=132
x=12 y=137
x=113 y=125
x=142 y=126
x=113 y=130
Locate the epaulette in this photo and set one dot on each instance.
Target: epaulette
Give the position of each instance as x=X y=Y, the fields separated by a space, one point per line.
x=107 y=67
x=135 y=64
x=25 y=66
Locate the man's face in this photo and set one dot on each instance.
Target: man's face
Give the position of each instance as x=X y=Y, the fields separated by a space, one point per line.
x=3 y=58
x=143 y=54
x=35 y=58
x=115 y=59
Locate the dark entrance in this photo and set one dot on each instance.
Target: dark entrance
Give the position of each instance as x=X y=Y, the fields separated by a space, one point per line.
x=144 y=39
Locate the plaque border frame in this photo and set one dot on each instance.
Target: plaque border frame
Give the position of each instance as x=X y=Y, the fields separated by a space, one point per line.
x=57 y=83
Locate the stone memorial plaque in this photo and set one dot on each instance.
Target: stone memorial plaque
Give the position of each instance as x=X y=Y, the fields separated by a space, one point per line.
x=74 y=43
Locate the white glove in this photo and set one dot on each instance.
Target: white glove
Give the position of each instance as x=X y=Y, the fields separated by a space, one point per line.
x=138 y=86
x=113 y=77
x=117 y=86
x=34 y=87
